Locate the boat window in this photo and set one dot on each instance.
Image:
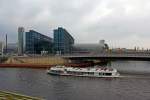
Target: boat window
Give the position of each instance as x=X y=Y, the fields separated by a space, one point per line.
x=91 y=73
x=53 y=71
x=100 y=74
x=56 y=71
x=80 y=73
x=65 y=69
x=108 y=74
x=85 y=72
x=70 y=72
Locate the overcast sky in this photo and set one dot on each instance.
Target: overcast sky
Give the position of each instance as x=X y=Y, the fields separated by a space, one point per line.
x=122 y=23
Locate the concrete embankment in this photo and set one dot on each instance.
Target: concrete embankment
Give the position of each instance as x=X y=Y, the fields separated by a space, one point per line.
x=38 y=62
x=24 y=66
x=3 y=59
x=33 y=62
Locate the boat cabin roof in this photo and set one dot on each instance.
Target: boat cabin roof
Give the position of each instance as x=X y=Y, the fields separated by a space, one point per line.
x=88 y=69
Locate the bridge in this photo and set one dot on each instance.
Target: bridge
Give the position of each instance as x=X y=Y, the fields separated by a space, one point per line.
x=110 y=56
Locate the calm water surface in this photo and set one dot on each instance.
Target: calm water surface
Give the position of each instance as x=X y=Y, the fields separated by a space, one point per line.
x=35 y=82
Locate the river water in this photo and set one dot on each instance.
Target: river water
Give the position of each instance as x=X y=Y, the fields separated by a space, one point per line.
x=35 y=82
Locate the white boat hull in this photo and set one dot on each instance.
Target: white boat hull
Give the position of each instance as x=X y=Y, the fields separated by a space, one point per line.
x=98 y=76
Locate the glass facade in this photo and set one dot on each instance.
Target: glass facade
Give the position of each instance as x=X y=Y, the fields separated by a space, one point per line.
x=63 y=41
x=36 y=42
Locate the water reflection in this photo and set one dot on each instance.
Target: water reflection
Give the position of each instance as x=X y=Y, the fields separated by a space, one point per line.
x=132 y=66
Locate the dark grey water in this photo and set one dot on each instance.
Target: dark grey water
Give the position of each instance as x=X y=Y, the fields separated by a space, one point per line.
x=35 y=82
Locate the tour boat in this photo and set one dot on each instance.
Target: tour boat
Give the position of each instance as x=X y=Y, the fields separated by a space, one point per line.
x=95 y=71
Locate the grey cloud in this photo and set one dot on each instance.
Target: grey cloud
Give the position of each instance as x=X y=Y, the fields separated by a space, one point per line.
x=117 y=21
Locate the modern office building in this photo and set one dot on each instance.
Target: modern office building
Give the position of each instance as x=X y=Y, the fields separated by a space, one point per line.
x=20 y=40
x=63 y=41
x=37 y=43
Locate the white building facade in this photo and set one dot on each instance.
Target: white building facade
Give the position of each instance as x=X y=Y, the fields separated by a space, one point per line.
x=20 y=41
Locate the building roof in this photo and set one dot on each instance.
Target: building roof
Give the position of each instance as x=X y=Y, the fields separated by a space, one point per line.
x=88 y=47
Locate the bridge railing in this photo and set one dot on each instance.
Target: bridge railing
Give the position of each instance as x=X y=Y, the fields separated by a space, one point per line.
x=109 y=55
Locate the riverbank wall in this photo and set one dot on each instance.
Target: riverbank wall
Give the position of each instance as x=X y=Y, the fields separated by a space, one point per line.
x=32 y=62
x=40 y=62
